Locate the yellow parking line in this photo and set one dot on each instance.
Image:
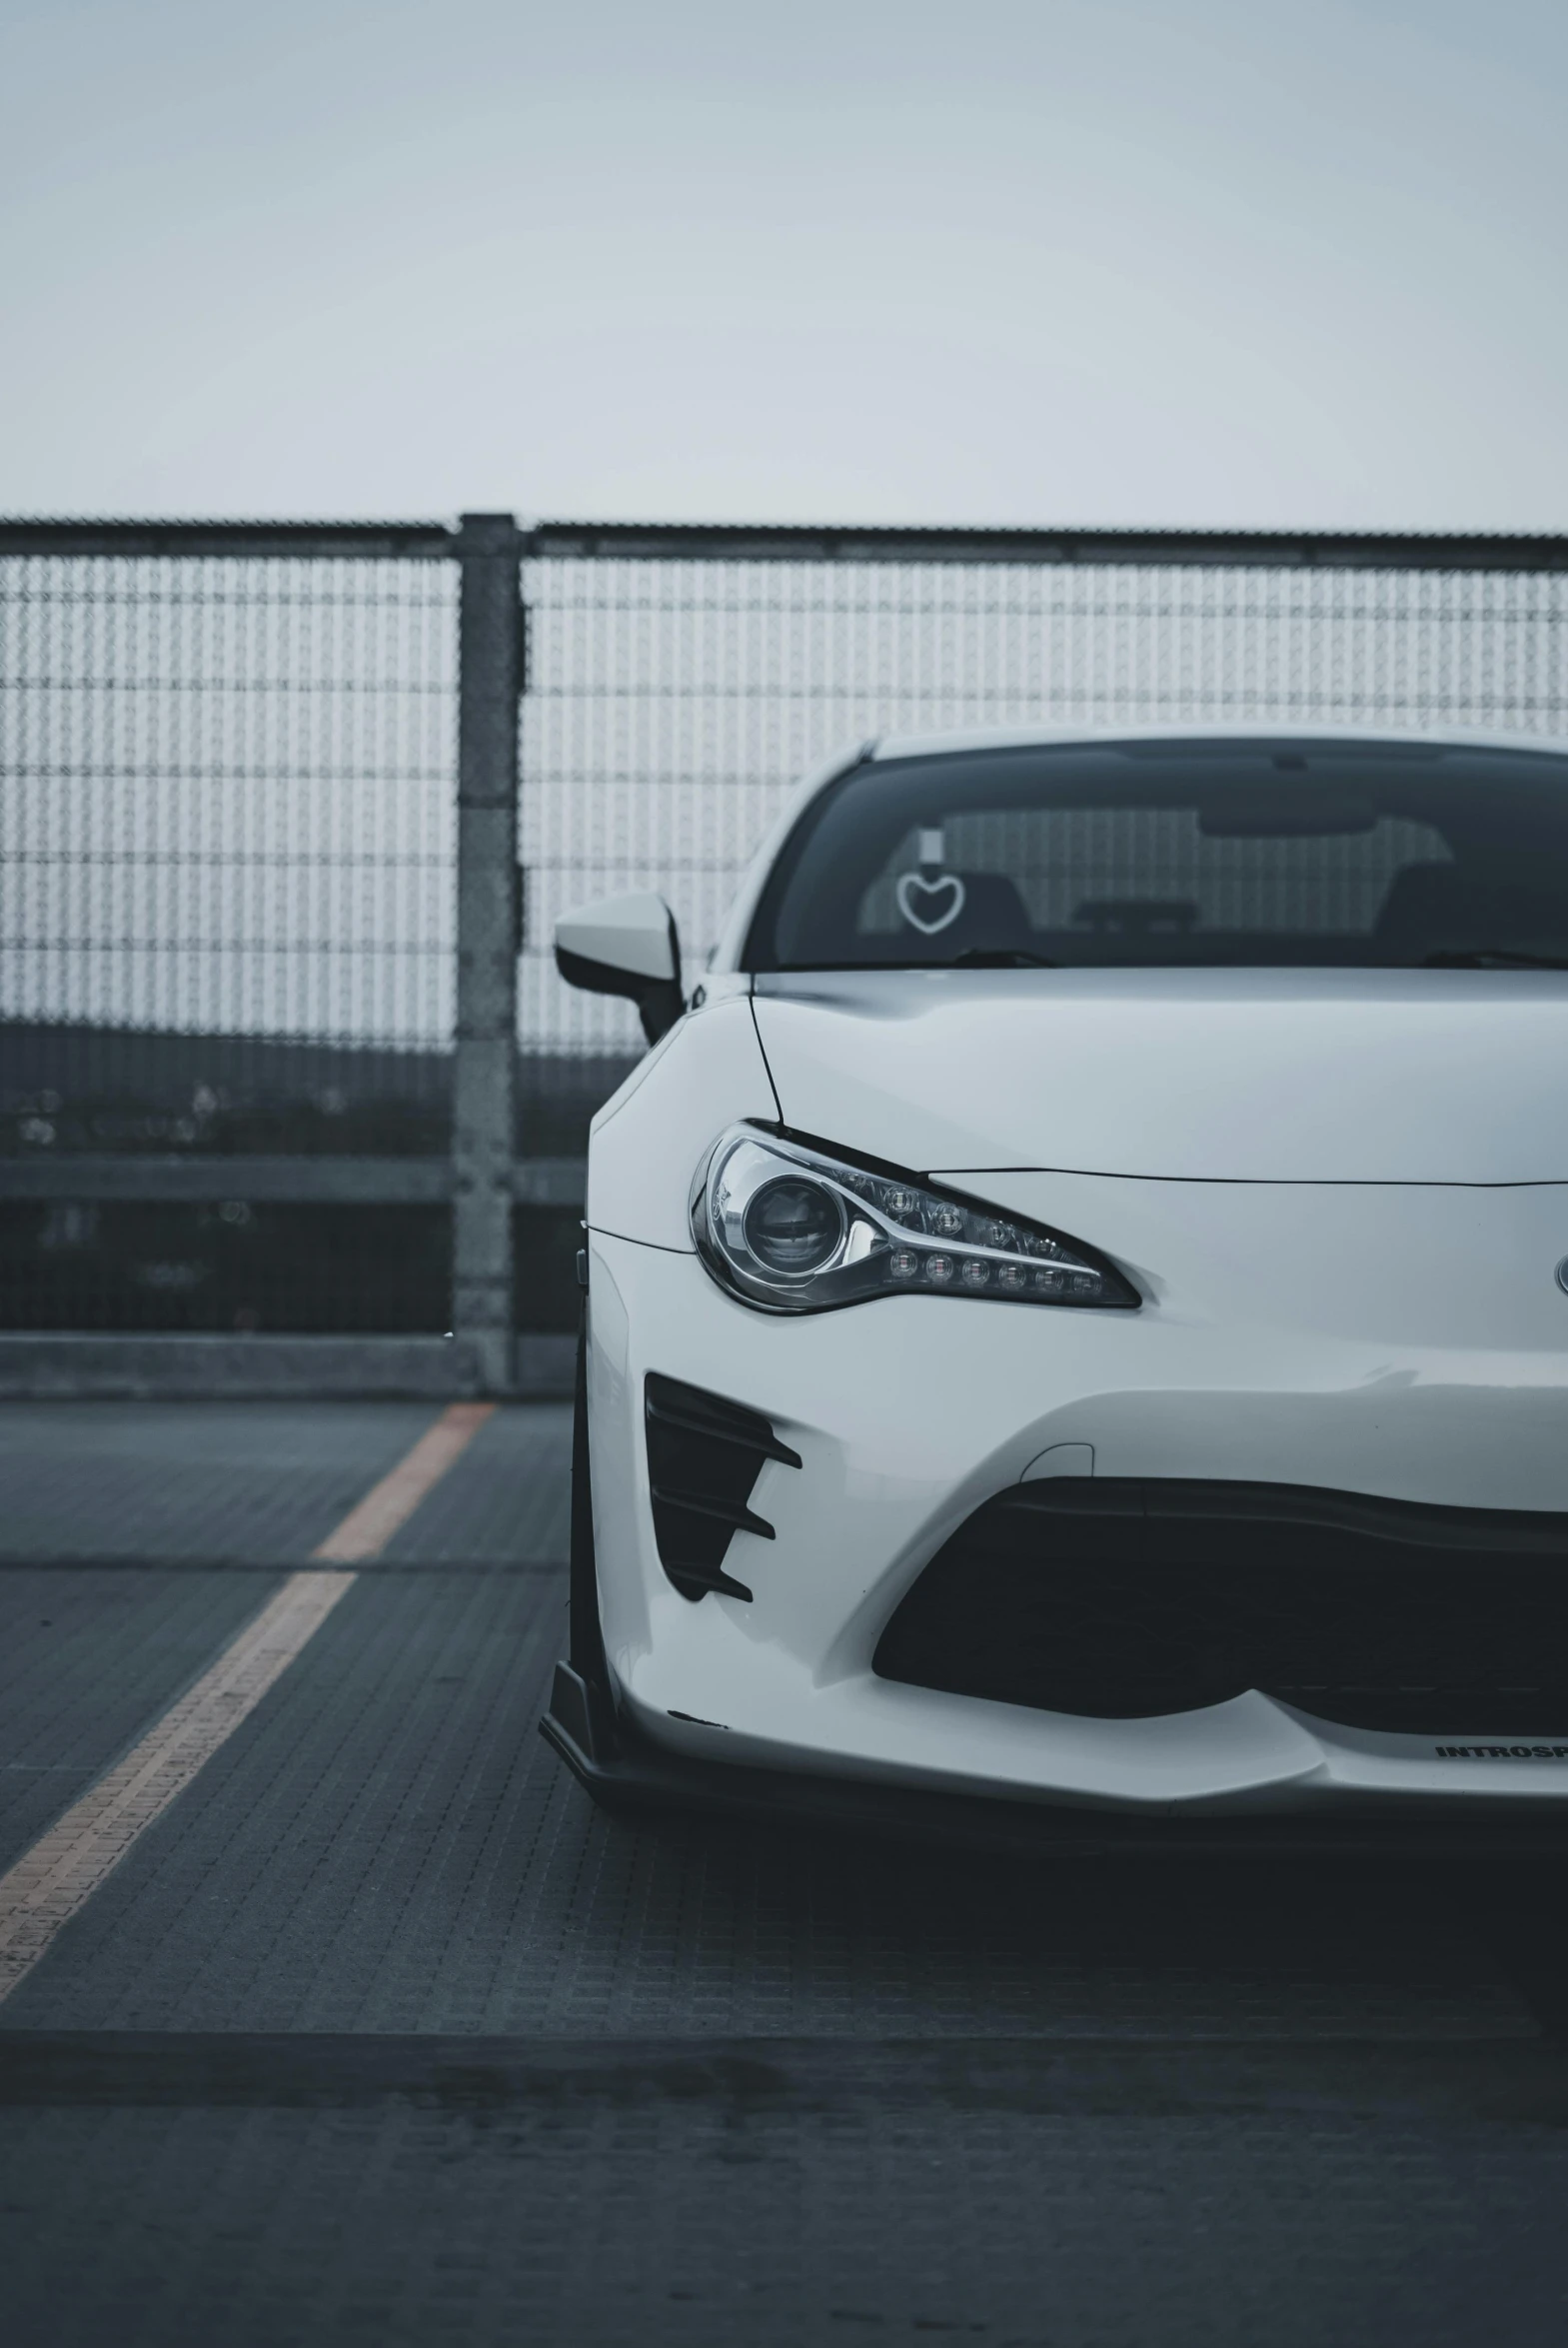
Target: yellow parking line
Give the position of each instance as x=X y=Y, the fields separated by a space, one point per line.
x=47 y=1885
x=366 y=1531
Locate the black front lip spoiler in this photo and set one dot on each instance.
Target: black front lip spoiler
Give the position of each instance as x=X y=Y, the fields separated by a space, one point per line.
x=626 y=1771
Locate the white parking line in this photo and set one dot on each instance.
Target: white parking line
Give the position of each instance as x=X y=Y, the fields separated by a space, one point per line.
x=64 y=1867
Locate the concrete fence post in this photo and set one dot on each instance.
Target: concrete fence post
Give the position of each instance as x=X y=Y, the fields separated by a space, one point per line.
x=489 y=638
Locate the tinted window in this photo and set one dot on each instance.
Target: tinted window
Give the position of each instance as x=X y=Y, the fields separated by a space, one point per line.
x=1270 y=852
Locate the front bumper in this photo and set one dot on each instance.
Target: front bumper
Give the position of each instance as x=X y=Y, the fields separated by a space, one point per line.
x=629 y=1774
x=909 y=1413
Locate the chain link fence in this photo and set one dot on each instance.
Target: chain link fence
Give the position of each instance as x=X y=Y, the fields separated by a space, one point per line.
x=271 y=1062
x=228 y=837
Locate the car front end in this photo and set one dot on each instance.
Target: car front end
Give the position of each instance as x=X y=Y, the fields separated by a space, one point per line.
x=1109 y=1402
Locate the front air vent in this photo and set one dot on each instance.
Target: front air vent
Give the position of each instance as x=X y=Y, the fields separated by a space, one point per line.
x=1123 y=1600
x=704 y=1456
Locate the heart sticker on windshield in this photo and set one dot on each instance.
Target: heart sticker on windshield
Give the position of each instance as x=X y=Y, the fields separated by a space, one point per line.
x=944 y=902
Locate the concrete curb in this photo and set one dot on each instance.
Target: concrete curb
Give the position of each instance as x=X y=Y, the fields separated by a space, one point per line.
x=68 y=1365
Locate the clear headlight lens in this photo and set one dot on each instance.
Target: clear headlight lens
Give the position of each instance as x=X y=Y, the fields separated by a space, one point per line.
x=792 y=1227
x=796 y=1230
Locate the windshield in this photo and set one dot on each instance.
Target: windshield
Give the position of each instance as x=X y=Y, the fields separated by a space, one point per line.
x=1180 y=852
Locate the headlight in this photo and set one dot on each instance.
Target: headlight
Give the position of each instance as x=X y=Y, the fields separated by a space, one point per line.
x=795 y=1231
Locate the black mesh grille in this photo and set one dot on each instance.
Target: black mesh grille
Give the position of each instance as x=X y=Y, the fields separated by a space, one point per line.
x=704 y=1456
x=1127 y=1600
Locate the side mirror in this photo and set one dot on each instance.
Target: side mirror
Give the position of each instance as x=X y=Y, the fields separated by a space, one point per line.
x=626 y=946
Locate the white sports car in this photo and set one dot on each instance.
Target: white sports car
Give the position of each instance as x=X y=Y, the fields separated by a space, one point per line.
x=1076 y=1320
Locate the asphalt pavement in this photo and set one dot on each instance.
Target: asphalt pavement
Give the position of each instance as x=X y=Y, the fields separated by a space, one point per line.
x=379 y=2031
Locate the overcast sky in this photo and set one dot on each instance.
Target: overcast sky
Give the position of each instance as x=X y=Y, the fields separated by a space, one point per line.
x=1135 y=261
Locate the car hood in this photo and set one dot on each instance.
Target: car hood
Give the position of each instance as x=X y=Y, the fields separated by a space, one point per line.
x=1217 y=1076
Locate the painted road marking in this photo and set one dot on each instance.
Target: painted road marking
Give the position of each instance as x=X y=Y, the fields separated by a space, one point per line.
x=366 y=1531
x=65 y=1867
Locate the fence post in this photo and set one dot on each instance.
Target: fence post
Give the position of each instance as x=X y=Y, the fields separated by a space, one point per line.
x=481 y=1135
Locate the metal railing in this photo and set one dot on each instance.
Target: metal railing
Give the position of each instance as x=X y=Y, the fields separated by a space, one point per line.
x=282 y=1051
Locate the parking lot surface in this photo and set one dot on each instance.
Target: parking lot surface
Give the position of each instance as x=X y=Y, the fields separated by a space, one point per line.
x=377 y=2030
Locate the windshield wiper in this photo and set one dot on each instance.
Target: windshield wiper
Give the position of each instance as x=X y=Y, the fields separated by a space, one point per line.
x=1001 y=958
x=1491 y=958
